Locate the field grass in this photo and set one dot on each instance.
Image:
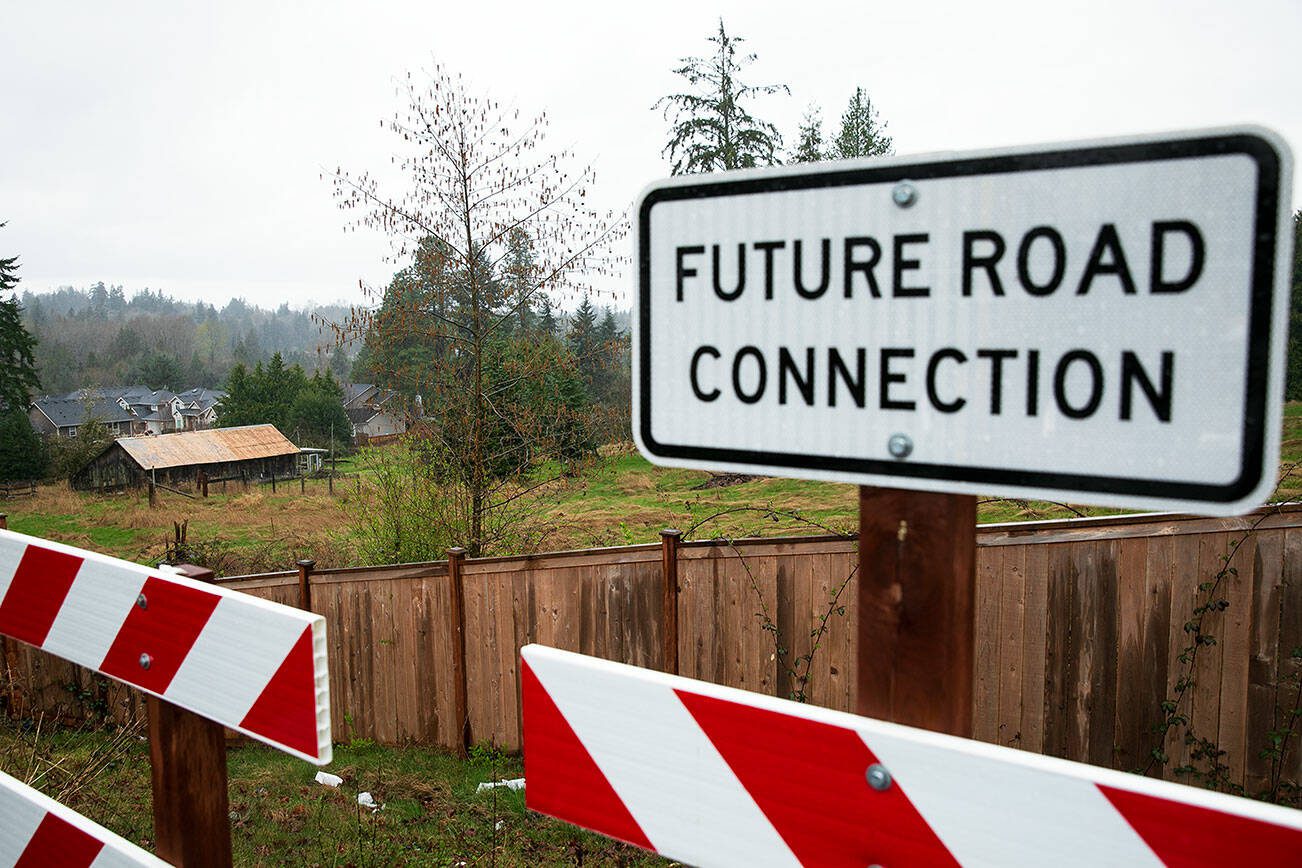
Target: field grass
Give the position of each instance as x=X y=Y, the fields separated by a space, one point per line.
x=617 y=499
x=431 y=815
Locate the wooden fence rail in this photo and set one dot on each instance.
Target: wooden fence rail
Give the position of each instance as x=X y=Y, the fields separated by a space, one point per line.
x=1085 y=628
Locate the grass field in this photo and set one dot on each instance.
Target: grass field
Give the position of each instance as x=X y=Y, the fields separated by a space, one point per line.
x=431 y=815
x=617 y=499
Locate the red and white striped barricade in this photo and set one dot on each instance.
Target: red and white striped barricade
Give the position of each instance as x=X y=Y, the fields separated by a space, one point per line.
x=36 y=831
x=712 y=775
x=254 y=666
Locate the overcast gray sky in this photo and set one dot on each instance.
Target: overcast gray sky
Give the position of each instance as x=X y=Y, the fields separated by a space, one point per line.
x=179 y=146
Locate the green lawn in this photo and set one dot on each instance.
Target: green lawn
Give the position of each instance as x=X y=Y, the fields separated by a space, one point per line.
x=618 y=499
x=432 y=814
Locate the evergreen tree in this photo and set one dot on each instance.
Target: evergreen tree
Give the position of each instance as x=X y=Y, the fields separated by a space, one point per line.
x=159 y=371
x=582 y=341
x=18 y=377
x=711 y=128
x=317 y=411
x=8 y=270
x=22 y=451
x=518 y=274
x=863 y=133
x=809 y=148
x=547 y=318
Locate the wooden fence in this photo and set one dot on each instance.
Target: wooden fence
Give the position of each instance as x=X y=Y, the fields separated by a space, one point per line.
x=1085 y=628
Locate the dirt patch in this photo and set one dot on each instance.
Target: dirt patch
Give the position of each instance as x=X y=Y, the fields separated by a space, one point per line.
x=723 y=480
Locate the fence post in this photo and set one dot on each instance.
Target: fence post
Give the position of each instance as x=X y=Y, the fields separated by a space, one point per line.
x=669 y=540
x=330 y=481
x=4 y=521
x=460 y=703
x=203 y=484
x=302 y=485
x=305 y=568
x=153 y=495
x=187 y=759
x=273 y=482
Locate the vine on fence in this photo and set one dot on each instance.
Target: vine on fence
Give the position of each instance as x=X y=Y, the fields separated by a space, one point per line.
x=1207 y=766
x=799 y=670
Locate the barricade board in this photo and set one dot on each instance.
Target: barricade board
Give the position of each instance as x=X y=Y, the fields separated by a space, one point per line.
x=254 y=666
x=715 y=776
x=35 y=831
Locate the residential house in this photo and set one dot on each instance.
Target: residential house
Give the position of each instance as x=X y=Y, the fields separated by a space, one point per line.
x=64 y=416
x=196 y=409
x=126 y=410
x=151 y=407
x=373 y=412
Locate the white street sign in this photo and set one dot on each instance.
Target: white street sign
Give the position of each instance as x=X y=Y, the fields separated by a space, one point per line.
x=1099 y=322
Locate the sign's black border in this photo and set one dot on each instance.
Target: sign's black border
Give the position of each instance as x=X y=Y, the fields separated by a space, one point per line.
x=1259 y=348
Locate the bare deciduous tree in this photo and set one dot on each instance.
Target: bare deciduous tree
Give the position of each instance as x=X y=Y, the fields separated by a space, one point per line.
x=491 y=223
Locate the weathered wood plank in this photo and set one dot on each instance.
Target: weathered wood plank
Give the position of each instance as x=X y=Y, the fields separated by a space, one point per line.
x=1132 y=650
x=1034 y=648
x=985 y=676
x=1205 y=714
x=1263 y=659
x=1236 y=624
x=1012 y=617
x=1184 y=593
x=1059 y=656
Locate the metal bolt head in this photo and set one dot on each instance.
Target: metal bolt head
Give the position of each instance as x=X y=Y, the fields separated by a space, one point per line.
x=145 y=661
x=878 y=778
x=142 y=602
x=900 y=445
x=904 y=194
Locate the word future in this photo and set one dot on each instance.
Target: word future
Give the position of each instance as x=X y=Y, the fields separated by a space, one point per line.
x=1038 y=262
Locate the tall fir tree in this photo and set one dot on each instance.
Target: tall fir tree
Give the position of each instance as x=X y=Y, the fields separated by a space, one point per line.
x=863 y=133
x=809 y=147
x=711 y=128
x=8 y=270
x=518 y=274
x=547 y=318
x=18 y=378
x=582 y=341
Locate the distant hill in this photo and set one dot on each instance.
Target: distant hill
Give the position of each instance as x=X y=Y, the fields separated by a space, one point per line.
x=98 y=336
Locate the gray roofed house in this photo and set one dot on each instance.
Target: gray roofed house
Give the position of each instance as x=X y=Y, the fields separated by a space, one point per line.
x=127 y=410
x=196 y=409
x=372 y=411
x=64 y=416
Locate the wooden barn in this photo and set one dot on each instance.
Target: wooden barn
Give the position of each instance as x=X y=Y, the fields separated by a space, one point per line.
x=248 y=452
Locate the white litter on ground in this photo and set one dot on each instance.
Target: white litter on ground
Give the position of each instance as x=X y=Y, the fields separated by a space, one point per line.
x=328 y=779
x=512 y=784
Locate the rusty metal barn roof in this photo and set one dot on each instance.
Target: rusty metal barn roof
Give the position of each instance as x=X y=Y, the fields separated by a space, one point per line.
x=213 y=446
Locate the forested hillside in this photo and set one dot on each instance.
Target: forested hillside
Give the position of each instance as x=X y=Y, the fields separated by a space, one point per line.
x=100 y=336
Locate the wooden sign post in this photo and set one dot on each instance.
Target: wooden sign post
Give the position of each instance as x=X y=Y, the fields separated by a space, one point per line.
x=917 y=613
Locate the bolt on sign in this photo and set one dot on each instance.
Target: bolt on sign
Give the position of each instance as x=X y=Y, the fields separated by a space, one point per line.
x=1100 y=322
x=715 y=776
x=249 y=664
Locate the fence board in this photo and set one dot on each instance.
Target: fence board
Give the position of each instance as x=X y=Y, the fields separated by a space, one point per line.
x=1012 y=620
x=985 y=686
x=1081 y=624
x=1263 y=648
x=1033 y=648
